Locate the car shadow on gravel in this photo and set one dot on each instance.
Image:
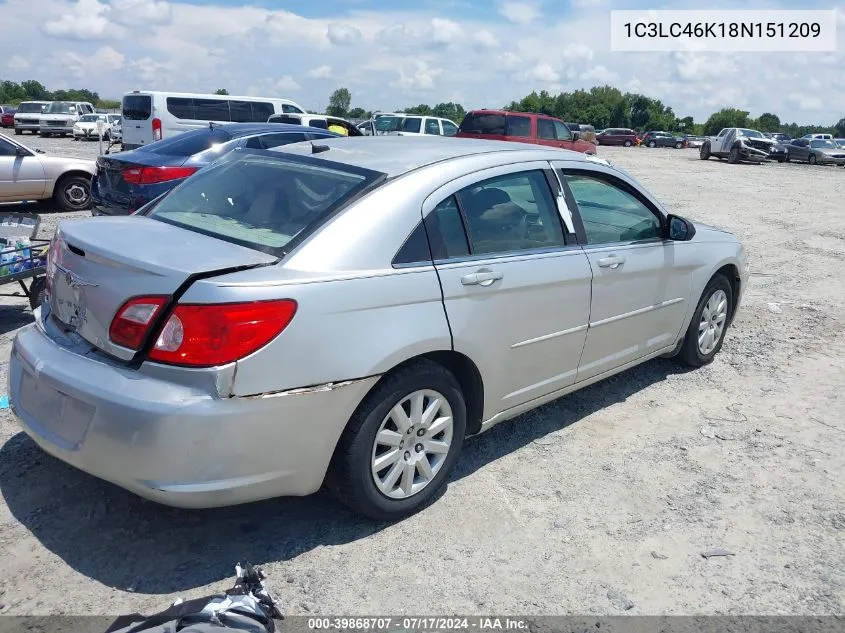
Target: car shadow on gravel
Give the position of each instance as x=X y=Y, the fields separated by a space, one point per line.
x=13 y=317
x=122 y=541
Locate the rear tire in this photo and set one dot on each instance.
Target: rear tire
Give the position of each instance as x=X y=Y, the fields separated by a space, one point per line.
x=811 y=159
x=678 y=145
x=704 y=152
x=350 y=477
x=73 y=193
x=652 y=144
x=627 y=143
x=693 y=353
x=18 y=132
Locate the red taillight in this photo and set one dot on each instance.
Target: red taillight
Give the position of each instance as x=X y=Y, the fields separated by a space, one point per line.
x=153 y=175
x=133 y=321
x=157 y=134
x=205 y=335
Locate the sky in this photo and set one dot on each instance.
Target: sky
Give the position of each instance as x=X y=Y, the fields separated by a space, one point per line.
x=390 y=55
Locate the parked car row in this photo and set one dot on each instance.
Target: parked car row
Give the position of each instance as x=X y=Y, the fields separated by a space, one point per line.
x=741 y=144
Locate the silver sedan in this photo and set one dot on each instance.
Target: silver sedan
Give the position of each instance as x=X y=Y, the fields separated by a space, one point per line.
x=348 y=311
x=27 y=174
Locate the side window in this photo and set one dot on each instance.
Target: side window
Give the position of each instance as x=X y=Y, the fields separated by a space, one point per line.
x=7 y=149
x=563 y=133
x=275 y=140
x=723 y=132
x=415 y=248
x=546 y=129
x=291 y=108
x=446 y=230
x=611 y=214
x=286 y=118
x=432 y=126
x=510 y=213
x=241 y=111
x=518 y=126
x=211 y=109
x=180 y=107
x=261 y=111
x=412 y=124
x=449 y=128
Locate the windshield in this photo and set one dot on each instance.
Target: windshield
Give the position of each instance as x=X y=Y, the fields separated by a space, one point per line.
x=60 y=107
x=30 y=107
x=822 y=144
x=751 y=134
x=260 y=201
x=89 y=118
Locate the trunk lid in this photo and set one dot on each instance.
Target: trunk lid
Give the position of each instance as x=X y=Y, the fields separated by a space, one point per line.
x=99 y=263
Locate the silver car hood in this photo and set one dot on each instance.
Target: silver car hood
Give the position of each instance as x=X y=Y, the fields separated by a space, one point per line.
x=707 y=233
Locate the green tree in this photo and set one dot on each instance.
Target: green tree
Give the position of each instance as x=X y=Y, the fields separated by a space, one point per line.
x=339 y=103
x=452 y=111
x=421 y=109
x=840 y=128
x=358 y=113
x=768 y=122
x=35 y=91
x=221 y=91
x=726 y=117
x=108 y=104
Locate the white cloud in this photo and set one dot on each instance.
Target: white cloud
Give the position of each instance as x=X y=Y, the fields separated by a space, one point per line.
x=485 y=38
x=16 y=62
x=808 y=103
x=420 y=78
x=86 y=21
x=600 y=75
x=519 y=12
x=104 y=60
x=698 y=66
x=141 y=12
x=343 y=34
x=445 y=31
x=287 y=83
x=543 y=72
x=588 y=4
x=510 y=61
x=321 y=72
x=577 y=51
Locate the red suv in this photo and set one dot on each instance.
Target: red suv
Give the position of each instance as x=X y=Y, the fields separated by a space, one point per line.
x=522 y=127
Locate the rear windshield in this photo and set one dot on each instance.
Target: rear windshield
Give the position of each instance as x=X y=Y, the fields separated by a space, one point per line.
x=137 y=107
x=189 y=143
x=261 y=201
x=30 y=107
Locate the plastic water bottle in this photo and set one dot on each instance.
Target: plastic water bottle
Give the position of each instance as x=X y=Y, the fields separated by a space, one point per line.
x=7 y=256
x=23 y=246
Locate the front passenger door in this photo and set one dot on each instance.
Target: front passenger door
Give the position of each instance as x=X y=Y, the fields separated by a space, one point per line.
x=516 y=286
x=641 y=281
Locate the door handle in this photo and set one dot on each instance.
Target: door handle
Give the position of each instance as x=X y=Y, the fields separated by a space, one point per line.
x=611 y=261
x=481 y=278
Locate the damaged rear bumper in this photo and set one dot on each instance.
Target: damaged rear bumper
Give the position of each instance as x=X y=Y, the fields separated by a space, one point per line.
x=177 y=445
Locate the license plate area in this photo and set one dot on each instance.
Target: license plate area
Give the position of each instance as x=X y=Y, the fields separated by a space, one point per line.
x=63 y=418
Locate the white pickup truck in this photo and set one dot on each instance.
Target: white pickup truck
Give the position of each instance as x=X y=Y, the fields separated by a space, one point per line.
x=736 y=144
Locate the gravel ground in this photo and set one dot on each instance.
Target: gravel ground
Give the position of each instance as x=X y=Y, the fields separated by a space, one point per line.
x=600 y=503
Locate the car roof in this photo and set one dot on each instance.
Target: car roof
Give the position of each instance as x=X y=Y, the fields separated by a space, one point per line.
x=397 y=155
x=245 y=129
x=504 y=112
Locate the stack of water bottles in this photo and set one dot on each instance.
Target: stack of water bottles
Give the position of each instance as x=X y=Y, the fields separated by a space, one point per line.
x=17 y=257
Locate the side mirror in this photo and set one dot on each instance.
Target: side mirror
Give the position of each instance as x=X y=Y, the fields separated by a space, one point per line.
x=680 y=229
x=575 y=135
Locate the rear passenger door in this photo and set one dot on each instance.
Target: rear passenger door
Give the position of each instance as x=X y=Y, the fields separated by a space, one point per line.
x=516 y=286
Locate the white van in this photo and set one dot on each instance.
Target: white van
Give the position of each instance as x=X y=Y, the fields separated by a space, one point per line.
x=150 y=116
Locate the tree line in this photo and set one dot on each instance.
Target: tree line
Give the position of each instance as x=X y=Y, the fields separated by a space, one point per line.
x=13 y=93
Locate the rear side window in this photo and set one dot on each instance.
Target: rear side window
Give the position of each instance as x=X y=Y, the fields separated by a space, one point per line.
x=319 y=123
x=181 y=107
x=518 y=126
x=189 y=143
x=261 y=111
x=285 y=118
x=481 y=123
x=267 y=141
x=211 y=109
x=412 y=124
x=135 y=107
x=259 y=201
x=291 y=108
x=241 y=112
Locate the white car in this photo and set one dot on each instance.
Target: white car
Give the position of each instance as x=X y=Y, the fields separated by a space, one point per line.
x=319 y=121
x=59 y=117
x=27 y=174
x=87 y=126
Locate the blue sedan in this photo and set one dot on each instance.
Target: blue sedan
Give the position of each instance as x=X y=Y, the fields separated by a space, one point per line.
x=126 y=181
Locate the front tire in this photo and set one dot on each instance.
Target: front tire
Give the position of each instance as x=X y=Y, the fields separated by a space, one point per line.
x=811 y=159
x=733 y=157
x=709 y=324
x=652 y=144
x=397 y=451
x=704 y=152
x=627 y=143
x=73 y=193
x=678 y=145
x=18 y=132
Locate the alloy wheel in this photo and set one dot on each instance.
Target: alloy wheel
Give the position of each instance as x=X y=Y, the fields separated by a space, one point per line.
x=711 y=326
x=412 y=443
